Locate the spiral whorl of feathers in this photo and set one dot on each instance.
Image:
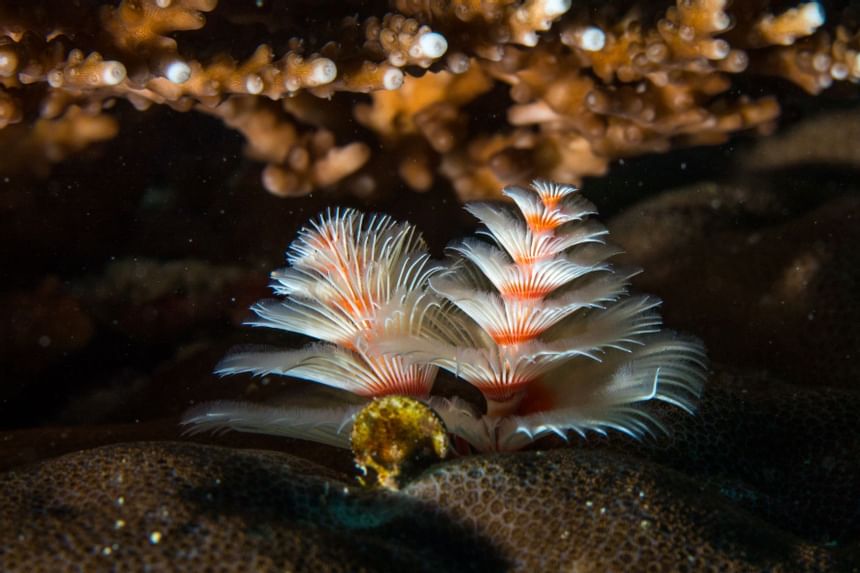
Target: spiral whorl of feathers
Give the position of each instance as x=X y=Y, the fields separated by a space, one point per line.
x=535 y=317
x=346 y=269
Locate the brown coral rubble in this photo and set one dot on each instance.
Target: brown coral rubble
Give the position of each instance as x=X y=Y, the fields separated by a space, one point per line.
x=413 y=84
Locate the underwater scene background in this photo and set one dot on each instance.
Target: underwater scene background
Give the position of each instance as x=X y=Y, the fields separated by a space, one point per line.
x=157 y=158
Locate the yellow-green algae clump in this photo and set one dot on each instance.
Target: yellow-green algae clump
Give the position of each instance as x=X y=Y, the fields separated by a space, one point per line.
x=394 y=437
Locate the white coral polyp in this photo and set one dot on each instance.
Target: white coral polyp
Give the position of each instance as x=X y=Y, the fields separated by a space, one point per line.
x=112 y=73
x=322 y=71
x=177 y=72
x=536 y=317
x=431 y=45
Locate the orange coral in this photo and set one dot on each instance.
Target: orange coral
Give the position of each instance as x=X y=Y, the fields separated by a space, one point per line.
x=586 y=85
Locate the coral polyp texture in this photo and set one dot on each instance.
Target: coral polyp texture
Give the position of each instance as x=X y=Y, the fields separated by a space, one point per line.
x=535 y=317
x=586 y=82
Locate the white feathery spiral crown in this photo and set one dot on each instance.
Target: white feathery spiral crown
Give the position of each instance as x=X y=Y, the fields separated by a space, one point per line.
x=345 y=269
x=549 y=319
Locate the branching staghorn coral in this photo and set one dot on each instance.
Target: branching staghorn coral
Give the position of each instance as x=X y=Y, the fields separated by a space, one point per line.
x=537 y=319
x=587 y=82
